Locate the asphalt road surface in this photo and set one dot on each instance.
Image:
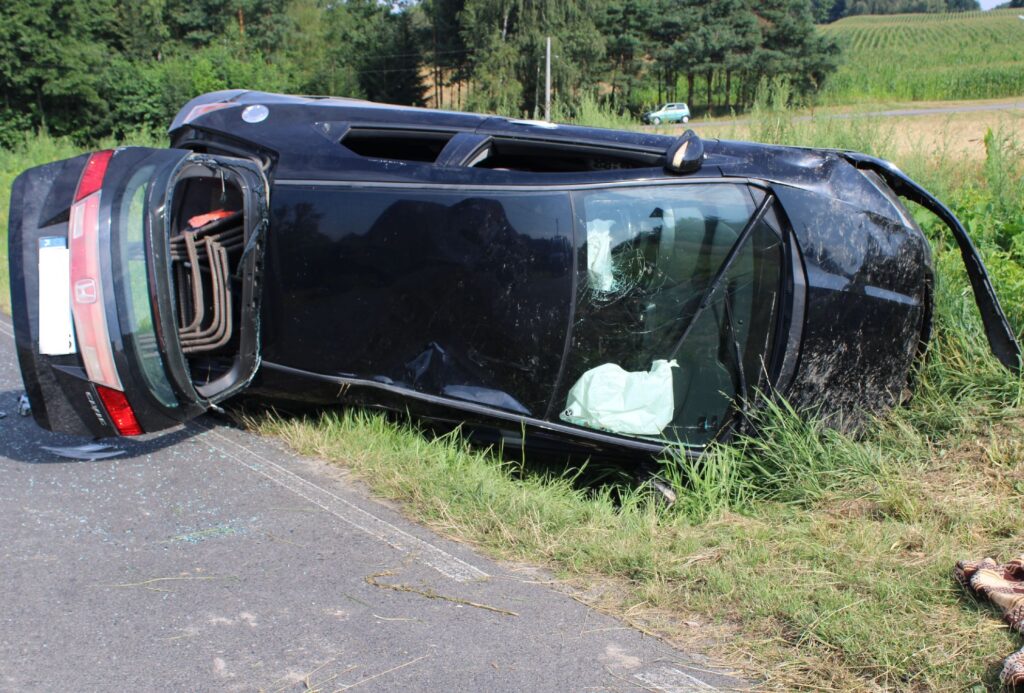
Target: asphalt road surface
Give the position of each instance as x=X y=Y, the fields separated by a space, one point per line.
x=209 y=559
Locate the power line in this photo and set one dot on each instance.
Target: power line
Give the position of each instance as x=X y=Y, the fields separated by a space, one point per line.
x=390 y=69
x=426 y=53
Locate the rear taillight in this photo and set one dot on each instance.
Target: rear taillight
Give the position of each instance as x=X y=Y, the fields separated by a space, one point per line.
x=120 y=411
x=92 y=176
x=88 y=307
x=87 y=304
x=203 y=109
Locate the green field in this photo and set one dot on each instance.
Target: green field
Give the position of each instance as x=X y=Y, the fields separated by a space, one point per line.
x=928 y=57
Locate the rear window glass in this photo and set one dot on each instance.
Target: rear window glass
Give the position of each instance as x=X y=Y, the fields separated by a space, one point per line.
x=548 y=157
x=139 y=327
x=396 y=145
x=644 y=360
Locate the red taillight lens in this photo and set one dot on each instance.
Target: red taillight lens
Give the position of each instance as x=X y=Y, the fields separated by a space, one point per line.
x=92 y=176
x=120 y=411
x=203 y=109
x=87 y=305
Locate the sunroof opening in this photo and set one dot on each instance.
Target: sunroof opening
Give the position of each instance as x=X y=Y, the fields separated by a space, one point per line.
x=557 y=157
x=397 y=145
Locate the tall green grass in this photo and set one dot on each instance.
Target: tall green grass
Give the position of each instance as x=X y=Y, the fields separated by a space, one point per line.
x=922 y=57
x=592 y=113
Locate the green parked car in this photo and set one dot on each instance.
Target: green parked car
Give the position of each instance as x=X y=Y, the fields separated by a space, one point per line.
x=669 y=113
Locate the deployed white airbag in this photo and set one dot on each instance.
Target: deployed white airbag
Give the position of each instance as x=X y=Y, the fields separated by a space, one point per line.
x=612 y=399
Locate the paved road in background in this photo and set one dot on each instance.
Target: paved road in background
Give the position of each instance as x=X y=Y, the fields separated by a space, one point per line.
x=937 y=110
x=209 y=559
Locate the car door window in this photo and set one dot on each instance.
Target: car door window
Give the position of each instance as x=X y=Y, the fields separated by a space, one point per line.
x=648 y=258
x=458 y=293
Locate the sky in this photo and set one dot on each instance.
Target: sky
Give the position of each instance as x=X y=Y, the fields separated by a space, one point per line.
x=989 y=4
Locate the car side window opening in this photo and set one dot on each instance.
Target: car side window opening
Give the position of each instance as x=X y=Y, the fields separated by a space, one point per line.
x=509 y=154
x=395 y=144
x=646 y=359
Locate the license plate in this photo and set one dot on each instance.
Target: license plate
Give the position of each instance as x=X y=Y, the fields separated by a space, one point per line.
x=56 y=334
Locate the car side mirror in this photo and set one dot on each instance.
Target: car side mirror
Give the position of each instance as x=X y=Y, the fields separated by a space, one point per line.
x=686 y=154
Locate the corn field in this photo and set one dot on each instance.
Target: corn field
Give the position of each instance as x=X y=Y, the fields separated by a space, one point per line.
x=923 y=57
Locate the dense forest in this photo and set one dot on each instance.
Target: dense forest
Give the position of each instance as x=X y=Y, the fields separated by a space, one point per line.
x=89 y=68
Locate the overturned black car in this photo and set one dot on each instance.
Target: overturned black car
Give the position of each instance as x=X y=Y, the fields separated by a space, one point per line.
x=606 y=292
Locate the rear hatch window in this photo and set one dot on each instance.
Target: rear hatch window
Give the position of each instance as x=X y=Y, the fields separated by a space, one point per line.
x=138 y=328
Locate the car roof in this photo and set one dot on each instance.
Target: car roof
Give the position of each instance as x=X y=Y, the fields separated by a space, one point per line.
x=297 y=128
x=326 y=109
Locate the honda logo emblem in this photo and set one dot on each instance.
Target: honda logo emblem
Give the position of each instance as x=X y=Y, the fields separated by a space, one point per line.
x=85 y=291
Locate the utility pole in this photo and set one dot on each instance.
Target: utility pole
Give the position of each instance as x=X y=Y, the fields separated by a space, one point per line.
x=547 y=84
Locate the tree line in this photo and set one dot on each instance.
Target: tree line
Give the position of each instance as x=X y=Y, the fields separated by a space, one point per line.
x=830 y=10
x=91 y=68
x=630 y=53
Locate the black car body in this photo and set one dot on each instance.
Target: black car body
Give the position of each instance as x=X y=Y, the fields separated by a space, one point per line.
x=603 y=291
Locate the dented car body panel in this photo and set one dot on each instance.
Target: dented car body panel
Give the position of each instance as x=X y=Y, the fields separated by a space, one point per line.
x=587 y=290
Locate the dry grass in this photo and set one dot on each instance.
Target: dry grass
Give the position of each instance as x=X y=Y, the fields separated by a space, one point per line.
x=952 y=135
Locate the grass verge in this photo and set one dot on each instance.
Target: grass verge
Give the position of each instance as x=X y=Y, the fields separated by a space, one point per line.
x=839 y=581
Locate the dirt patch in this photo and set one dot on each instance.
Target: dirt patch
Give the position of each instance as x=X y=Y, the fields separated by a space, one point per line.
x=946 y=135
x=960 y=134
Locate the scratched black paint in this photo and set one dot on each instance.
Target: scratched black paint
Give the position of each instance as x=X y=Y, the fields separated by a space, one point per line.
x=867 y=283
x=458 y=294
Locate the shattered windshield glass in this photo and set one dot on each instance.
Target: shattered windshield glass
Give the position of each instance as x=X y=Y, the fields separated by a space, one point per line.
x=645 y=359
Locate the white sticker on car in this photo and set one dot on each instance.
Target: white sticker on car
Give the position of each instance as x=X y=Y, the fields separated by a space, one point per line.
x=56 y=335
